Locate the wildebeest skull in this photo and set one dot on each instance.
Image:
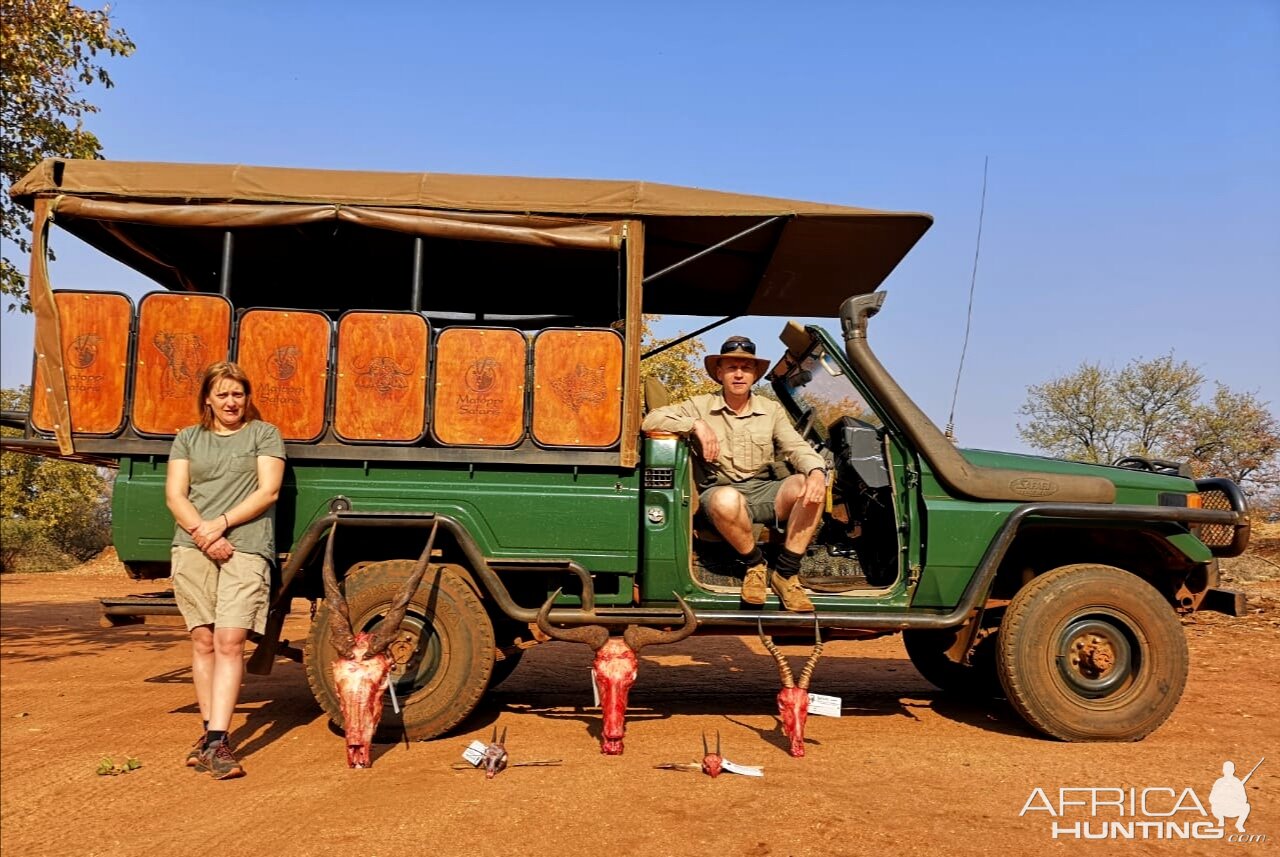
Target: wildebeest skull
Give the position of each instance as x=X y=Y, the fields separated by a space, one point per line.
x=615 y=663
x=793 y=698
x=362 y=669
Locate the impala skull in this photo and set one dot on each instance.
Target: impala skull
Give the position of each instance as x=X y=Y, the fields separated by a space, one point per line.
x=615 y=663
x=362 y=669
x=793 y=699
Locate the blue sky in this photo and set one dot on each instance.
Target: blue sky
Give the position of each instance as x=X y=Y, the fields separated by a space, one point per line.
x=1133 y=204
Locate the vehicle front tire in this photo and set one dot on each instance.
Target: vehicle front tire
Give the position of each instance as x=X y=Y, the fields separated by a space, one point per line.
x=1092 y=653
x=443 y=657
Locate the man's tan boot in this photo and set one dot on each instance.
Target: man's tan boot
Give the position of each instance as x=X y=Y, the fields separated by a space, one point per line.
x=753 y=584
x=790 y=593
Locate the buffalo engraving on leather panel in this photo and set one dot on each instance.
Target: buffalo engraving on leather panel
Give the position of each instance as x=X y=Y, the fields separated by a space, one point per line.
x=384 y=375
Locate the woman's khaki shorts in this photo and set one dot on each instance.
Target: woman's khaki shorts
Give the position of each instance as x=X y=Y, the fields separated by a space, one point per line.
x=233 y=595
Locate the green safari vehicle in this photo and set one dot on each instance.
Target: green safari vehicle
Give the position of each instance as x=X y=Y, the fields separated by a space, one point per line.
x=462 y=354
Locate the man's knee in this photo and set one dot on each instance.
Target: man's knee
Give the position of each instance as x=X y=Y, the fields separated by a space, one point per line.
x=725 y=503
x=790 y=491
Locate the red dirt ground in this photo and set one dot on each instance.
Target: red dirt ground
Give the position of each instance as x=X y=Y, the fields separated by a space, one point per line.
x=905 y=770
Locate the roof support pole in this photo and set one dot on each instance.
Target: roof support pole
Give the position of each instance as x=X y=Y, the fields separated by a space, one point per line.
x=714 y=247
x=673 y=343
x=416 y=299
x=224 y=275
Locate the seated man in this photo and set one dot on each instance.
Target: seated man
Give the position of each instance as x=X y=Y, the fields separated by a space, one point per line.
x=739 y=435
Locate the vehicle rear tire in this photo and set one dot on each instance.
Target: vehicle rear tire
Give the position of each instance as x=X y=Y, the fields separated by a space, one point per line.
x=977 y=679
x=444 y=655
x=1092 y=653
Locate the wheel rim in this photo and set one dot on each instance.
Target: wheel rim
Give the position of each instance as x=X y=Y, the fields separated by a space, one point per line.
x=1097 y=656
x=416 y=651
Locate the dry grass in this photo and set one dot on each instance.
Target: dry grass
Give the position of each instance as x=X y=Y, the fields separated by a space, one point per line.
x=1261 y=561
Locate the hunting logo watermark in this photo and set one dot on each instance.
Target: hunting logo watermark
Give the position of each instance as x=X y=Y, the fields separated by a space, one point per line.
x=1156 y=812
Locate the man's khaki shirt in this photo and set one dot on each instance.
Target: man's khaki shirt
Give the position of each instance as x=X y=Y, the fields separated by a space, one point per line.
x=748 y=441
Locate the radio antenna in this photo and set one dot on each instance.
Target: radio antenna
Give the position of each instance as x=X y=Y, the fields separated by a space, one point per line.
x=973 y=279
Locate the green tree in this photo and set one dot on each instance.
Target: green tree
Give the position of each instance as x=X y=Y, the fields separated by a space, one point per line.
x=1156 y=398
x=48 y=51
x=1153 y=408
x=46 y=503
x=1235 y=435
x=679 y=368
x=1077 y=416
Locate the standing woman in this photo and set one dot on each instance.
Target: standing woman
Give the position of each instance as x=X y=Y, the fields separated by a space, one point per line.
x=223 y=480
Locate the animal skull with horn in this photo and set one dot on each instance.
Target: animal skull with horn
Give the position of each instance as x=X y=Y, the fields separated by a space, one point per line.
x=712 y=763
x=362 y=669
x=495 y=754
x=615 y=663
x=793 y=699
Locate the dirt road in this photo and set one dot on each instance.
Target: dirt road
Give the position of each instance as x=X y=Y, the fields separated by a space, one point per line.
x=905 y=770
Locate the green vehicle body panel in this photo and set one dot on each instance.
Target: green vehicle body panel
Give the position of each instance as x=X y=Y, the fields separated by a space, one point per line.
x=589 y=516
x=959 y=530
x=604 y=519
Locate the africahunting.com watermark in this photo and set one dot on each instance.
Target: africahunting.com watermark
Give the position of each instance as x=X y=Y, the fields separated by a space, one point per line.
x=1155 y=812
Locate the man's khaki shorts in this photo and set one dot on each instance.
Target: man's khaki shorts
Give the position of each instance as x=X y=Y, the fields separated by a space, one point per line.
x=761 y=496
x=233 y=595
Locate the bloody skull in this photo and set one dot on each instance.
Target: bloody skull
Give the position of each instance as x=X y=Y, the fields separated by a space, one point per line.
x=362 y=669
x=793 y=698
x=361 y=680
x=712 y=763
x=615 y=663
x=495 y=754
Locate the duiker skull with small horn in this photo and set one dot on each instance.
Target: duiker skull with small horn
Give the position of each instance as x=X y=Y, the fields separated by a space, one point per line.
x=793 y=699
x=363 y=667
x=615 y=664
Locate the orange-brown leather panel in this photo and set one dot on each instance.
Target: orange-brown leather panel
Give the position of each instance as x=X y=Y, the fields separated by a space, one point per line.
x=382 y=376
x=479 y=387
x=577 y=387
x=286 y=355
x=179 y=335
x=95 y=354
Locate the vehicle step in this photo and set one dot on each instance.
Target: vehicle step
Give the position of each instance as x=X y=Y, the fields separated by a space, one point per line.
x=133 y=609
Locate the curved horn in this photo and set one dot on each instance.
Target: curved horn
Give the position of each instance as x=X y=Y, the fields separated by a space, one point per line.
x=594 y=636
x=339 y=616
x=389 y=628
x=807 y=672
x=784 y=669
x=637 y=636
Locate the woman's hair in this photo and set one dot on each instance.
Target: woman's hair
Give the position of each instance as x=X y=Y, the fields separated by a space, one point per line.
x=215 y=373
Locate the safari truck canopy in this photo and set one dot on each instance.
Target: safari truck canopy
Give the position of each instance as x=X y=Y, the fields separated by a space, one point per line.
x=598 y=252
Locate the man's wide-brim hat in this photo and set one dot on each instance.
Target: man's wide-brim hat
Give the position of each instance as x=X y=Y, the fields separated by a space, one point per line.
x=736 y=346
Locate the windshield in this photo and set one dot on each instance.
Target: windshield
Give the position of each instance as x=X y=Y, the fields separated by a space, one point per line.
x=818 y=392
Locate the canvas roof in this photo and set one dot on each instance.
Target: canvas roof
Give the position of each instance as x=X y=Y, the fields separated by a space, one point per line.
x=805 y=264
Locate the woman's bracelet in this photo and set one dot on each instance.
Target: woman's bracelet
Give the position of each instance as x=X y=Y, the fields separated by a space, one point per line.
x=226 y=521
